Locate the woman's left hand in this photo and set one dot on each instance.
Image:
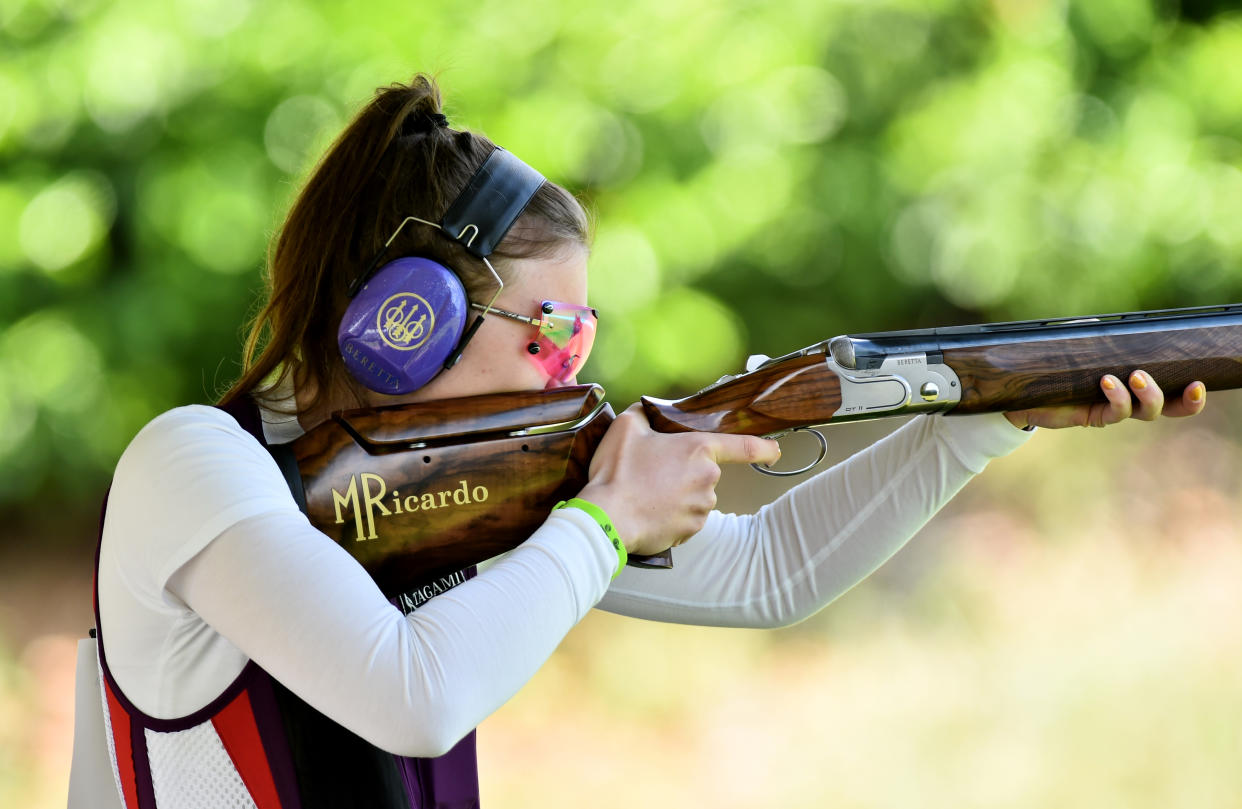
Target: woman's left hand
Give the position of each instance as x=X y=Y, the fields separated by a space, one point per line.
x=1119 y=407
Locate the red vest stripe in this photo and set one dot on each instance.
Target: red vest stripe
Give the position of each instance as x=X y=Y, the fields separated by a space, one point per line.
x=237 y=729
x=122 y=742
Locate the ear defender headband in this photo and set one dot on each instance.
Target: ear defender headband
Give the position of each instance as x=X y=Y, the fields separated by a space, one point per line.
x=407 y=319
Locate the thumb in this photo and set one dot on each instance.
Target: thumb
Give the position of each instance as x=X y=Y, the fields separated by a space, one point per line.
x=727 y=448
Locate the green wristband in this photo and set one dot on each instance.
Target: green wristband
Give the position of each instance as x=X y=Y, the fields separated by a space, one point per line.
x=600 y=516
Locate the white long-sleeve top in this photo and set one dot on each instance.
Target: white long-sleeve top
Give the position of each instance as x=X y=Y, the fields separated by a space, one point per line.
x=206 y=562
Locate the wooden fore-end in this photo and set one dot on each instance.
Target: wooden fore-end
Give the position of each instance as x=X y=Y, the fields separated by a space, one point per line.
x=794 y=393
x=1020 y=375
x=418 y=491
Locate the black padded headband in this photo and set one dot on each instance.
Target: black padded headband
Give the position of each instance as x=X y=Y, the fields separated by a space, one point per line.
x=491 y=202
x=482 y=213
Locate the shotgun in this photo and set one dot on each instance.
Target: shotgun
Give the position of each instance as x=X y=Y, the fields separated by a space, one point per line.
x=423 y=490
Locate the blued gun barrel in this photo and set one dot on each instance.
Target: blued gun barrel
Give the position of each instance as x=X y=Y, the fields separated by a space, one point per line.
x=965 y=369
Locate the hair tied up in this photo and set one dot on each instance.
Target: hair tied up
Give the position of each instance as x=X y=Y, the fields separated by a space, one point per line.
x=422 y=122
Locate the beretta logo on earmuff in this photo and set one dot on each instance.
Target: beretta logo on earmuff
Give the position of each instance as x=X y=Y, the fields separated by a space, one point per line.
x=405 y=321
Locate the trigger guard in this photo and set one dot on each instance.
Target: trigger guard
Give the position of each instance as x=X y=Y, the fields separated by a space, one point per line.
x=823 y=453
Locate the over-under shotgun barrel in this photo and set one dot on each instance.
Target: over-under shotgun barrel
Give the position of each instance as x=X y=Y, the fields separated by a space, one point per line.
x=966 y=369
x=1033 y=363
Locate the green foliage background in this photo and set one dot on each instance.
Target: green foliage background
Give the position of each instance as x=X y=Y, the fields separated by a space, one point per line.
x=765 y=175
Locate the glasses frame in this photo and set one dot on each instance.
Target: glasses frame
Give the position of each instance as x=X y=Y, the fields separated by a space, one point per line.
x=488 y=309
x=537 y=322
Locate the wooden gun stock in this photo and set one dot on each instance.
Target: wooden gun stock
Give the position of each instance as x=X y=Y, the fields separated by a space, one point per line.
x=418 y=491
x=775 y=399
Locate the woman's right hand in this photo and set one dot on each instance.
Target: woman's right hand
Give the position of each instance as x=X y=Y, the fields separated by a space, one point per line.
x=658 y=488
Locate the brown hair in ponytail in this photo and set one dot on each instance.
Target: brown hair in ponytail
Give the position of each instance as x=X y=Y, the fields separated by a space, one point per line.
x=393 y=160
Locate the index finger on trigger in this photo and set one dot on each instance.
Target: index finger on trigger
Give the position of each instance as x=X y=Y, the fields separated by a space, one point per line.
x=744 y=449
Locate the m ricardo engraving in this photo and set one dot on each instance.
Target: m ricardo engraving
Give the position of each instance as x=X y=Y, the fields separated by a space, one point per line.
x=367 y=497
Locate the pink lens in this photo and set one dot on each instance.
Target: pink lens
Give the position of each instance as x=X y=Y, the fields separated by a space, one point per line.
x=566 y=334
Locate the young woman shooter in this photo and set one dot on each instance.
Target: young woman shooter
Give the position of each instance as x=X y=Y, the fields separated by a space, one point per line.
x=250 y=661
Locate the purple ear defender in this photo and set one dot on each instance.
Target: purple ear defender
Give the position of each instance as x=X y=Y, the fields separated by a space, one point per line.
x=403 y=324
x=407 y=319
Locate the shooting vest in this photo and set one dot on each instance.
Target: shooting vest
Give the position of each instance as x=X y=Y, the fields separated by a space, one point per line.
x=259 y=745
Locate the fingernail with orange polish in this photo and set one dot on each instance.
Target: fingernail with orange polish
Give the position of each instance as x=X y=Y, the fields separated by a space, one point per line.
x=1137 y=380
x=1108 y=383
x=1196 y=394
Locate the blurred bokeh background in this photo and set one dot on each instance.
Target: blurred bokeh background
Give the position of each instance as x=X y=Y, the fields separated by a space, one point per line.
x=1068 y=632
